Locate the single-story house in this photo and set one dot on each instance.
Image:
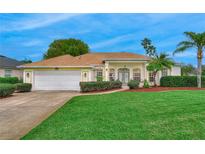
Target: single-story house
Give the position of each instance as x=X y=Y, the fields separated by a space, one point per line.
x=66 y=72
x=8 y=67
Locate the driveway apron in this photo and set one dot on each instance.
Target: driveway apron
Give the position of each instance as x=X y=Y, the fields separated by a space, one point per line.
x=23 y=111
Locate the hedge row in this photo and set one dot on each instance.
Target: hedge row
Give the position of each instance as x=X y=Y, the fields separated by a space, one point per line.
x=100 y=85
x=23 y=87
x=180 y=81
x=10 y=80
x=6 y=89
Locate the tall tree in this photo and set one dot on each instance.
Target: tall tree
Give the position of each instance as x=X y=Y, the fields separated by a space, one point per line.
x=197 y=41
x=158 y=63
x=70 y=46
x=149 y=48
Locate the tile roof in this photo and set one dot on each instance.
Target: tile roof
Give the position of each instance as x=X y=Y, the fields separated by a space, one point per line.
x=9 y=63
x=88 y=59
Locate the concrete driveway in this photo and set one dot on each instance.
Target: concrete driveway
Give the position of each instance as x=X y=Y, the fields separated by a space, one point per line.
x=23 y=111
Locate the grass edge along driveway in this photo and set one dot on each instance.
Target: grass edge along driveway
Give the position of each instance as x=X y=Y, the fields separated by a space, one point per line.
x=127 y=115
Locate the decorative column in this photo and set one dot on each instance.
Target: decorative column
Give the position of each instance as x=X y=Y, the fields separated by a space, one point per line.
x=106 y=71
x=146 y=75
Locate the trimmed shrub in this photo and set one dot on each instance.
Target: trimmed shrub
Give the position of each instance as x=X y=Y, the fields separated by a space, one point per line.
x=98 y=86
x=115 y=84
x=23 y=87
x=99 y=78
x=10 y=80
x=6 y=89
x=133 y=84
x=146 y=84
x=20 y=81
x=180 y=81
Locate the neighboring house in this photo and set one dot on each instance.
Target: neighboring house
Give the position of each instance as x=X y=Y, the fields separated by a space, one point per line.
x=8 y=67
x=65 y=72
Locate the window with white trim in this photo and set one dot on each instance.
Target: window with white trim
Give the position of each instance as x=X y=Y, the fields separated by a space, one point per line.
x=151 y=77
x=112 y=74
x=8 y=73
x=99 y=74
x=164 y=72
x=137 y=74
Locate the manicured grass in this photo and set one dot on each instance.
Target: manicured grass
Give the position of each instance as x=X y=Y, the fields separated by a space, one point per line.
x=128 y=115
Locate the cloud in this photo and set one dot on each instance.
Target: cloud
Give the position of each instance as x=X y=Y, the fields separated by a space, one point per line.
x=113 y=41
x=36 y=55
x=33 y=21
x=158 y=17
x=79 y=32
x=32 y=43
x=188 y=54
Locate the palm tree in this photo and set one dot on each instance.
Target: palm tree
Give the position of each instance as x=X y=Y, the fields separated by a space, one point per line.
x=158 y=63
x=197 y=41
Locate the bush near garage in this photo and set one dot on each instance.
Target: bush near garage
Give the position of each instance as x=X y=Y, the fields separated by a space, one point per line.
x=180 y=81
x=133 y=84
x=99 y=86
x=6 y=89
x=23 y=87
x=10 y=80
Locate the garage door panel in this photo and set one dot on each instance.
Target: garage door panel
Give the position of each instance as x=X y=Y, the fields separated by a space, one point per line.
x=57 y=80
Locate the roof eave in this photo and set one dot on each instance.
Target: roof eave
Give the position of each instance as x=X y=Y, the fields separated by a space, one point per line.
x=126 y=60
x=54 y=66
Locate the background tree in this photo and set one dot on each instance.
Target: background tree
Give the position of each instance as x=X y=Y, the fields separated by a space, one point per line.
x=70 y=46
x=26 y=61
x=188 y=70
x=158 y=63
x=197 y=41
x=149 y=48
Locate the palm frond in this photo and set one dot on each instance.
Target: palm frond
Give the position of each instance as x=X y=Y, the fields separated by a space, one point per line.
x=185 y=43
x=181 y=49
x=190 y=35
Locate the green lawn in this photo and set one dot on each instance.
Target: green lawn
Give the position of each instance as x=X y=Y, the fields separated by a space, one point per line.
x=128 y=115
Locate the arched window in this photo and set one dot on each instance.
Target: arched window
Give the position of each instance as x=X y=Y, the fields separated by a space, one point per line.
x=112 y=74
x=137 y=74
x=164 y=72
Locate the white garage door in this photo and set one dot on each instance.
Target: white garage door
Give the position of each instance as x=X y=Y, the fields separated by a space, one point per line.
x=56 y=80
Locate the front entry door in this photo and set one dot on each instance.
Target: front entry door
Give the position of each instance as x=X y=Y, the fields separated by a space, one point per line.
x=123 y=74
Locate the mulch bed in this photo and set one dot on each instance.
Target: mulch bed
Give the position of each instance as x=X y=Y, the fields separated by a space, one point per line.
x=157 y=89
x=100 y=91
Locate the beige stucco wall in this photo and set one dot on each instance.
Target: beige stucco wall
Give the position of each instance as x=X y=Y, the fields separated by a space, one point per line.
x=176 y=71
x=14 y=73
x=87 y=70
x=108 y=65
x=1 y=72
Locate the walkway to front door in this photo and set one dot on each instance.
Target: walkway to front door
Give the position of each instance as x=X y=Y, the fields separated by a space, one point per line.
x=124 y=75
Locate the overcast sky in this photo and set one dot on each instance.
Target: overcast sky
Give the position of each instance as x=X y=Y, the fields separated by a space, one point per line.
x=28 y=35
